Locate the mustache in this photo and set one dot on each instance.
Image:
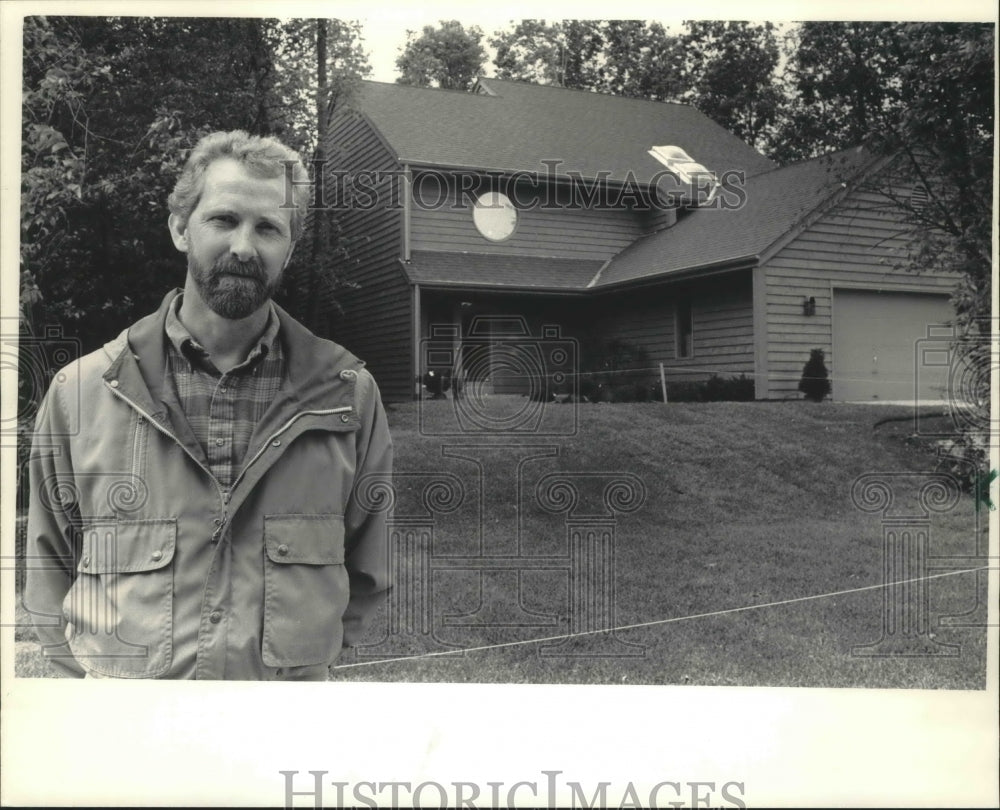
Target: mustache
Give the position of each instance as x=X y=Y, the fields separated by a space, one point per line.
x=230 y=265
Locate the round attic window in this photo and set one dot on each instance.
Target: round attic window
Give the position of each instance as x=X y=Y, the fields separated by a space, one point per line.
x=495 y=216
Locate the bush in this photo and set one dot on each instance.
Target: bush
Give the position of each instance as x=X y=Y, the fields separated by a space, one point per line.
x=815 y=382
x=734 y=389
x=714 y=389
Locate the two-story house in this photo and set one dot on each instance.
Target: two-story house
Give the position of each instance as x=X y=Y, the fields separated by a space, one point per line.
x=472 y=216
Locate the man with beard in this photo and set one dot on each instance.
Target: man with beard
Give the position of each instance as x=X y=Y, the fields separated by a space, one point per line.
x=201 y=487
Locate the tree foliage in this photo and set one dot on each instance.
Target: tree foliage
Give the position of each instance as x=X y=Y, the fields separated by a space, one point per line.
x=922 y=94
x=100 y=151
x=731 y=72
x=564 y=52
x=844 y=83
x=321 y=62
x=111 y=105
x=631 y=58
x=641 y=60
x=450 y=56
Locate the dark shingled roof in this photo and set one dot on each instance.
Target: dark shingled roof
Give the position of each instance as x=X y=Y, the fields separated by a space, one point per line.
x=776 y=202
x=484 y=269
x=513 y=126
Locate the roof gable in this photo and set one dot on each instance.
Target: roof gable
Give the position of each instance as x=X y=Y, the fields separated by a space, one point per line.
x=515 y=126
x=773 y=204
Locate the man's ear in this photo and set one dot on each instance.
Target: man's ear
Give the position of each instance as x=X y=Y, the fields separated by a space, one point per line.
x=178 y=232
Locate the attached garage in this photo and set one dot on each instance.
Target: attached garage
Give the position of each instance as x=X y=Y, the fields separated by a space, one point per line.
x=875 y=345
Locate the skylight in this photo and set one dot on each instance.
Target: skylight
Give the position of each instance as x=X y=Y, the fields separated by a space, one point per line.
x=689 y=172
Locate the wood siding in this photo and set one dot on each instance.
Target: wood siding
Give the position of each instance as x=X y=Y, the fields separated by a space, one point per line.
x=550 y=223
x=722 y=315
x=377 y=319
x=856 y=244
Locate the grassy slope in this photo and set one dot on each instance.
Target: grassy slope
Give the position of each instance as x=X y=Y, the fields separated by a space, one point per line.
x=747 y=503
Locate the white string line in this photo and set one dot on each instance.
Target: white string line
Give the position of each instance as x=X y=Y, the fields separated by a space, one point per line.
x=678 y=370
x=663 y=621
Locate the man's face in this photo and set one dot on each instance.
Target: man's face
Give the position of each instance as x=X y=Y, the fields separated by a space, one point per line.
x=238 y=239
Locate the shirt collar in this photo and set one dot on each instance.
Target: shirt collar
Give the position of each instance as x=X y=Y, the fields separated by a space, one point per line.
x=183 y=341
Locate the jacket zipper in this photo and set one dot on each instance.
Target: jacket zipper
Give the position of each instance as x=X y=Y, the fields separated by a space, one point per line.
x=138 y=448
x=223 y=494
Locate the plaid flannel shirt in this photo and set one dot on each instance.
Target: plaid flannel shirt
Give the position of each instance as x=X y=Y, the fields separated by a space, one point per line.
x=222 y=409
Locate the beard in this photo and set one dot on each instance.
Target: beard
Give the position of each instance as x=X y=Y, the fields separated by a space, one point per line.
x=233 y=289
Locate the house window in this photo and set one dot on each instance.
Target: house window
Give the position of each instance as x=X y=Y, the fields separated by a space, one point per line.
x=684 y=329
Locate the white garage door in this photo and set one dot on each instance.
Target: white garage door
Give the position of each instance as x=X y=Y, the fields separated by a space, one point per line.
x=876 y=349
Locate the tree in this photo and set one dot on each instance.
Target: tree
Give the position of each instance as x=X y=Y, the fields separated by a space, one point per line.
x=845 y=82
x=641 y=60
x=920 y=94
x=100 y=151
x=565 y=53
x=623 y=57
x=320 y=61
x=731 y=70
x=944 y=136
x=450 y=57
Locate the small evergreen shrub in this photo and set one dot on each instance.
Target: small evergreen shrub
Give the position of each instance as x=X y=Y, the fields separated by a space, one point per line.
x=815 y=382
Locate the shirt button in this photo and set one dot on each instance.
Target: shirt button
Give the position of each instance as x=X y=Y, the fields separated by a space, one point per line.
x=345 y=418
x=220 y=442
x=86 y=562
x=283 y=550
x=276 y=443
x=113 y=383
x=157 y=555
x=215 y=617
x=347 y=375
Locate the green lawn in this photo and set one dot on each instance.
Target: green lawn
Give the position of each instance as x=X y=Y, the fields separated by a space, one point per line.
x=746 y=505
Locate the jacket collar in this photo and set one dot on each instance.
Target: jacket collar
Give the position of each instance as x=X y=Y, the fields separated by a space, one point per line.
x=313 y=366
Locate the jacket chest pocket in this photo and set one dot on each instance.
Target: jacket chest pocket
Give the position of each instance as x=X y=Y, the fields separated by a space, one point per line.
x=120 y=608
x=306 y=589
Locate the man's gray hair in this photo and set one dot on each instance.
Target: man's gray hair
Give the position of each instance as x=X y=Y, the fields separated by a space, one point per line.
x=261 y=156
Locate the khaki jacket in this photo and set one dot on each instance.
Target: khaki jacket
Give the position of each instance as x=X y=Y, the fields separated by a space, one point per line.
x=141 y=565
